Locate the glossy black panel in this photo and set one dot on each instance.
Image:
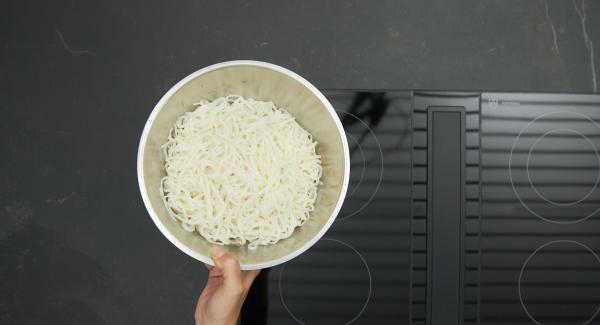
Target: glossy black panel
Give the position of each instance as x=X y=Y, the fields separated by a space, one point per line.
x=531 y=232
x=540 y=199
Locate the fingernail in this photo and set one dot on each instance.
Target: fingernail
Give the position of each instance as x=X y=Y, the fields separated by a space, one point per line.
x=216 y=253
x=219 y=252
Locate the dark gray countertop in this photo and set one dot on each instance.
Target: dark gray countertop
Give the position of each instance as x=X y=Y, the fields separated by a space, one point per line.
x=78 y=80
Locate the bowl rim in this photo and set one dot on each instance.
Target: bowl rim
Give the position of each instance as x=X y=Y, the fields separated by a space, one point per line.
x=158 y=107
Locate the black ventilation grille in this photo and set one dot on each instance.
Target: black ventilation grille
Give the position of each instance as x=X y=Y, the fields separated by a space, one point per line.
x=470 y=266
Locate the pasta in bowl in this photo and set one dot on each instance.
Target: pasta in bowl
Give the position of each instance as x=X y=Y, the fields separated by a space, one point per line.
x=245 y=154
x=240 y=171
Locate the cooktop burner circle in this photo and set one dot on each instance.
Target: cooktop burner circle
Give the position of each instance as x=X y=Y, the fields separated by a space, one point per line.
x=367 y=131
x=522 y=300
x=534 y=207
x=361 y=260
x=535 y=189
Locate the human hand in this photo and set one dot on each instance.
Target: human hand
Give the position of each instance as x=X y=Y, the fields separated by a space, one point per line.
x=226 y=288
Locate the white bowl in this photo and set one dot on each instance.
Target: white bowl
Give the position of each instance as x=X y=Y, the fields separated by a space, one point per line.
x=261 y=81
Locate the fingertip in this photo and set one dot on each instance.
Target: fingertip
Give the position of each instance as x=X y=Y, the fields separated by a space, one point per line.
x=229 y=262
x=216 y=254
x=224 y=260
x=219 y=252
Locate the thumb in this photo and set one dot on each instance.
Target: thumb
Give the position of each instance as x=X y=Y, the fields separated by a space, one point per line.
x=232 y=275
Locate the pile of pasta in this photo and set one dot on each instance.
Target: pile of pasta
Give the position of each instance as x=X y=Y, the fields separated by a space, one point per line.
x=240 y=171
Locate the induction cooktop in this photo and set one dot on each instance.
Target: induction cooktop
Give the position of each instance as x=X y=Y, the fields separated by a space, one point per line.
x=462 y=208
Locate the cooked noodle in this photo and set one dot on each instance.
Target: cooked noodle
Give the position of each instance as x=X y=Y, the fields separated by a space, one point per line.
x=240 y=171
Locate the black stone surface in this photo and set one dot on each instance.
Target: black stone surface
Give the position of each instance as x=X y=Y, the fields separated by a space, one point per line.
x=79 y=78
